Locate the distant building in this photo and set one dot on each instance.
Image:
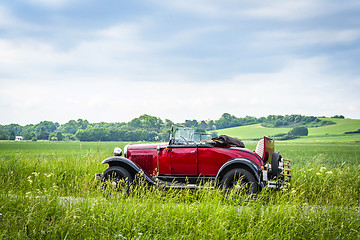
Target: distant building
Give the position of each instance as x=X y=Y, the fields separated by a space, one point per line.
x=18 y=138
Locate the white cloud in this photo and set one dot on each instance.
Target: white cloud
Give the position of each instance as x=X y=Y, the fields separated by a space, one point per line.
x=303 y=38
x=53 y=4
x=303 y=87
x=285 y=10
x=278 y=10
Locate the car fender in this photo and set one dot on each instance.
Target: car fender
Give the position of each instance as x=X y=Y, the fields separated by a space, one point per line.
x=239 y=163
x=130 y=166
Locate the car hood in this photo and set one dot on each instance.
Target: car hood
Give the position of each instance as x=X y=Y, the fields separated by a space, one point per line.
x=146 y=146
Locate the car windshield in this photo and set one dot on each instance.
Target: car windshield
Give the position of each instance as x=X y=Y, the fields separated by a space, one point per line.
x=186 y=135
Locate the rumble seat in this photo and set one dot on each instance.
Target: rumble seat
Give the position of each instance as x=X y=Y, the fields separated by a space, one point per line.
x=265 y=148
x=260 y=148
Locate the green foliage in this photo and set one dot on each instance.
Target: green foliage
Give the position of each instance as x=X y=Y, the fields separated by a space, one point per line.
x=43 y=135
x=56 y=136
x=154 y=129
x=72 y=126
x=227 y=120
x=4 y=135
x=293 y=120
x=147 y=122
x=106 y=134
x=338 y=116
x=300 y=131
x=191 y=123
x=12 y=135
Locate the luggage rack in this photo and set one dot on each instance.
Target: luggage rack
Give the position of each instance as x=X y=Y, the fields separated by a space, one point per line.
x=282 y=181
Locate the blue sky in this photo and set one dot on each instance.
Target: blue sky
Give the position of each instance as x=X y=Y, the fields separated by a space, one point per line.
x=115 y=60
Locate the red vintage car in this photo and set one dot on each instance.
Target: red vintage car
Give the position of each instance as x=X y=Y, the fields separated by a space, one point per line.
x=190 y=159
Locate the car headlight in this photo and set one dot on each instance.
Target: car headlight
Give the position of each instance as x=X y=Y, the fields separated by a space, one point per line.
x=117 y=151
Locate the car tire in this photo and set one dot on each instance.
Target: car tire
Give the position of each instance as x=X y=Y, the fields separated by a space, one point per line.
x=239 y=178
x=275 y=170
x=116 y=178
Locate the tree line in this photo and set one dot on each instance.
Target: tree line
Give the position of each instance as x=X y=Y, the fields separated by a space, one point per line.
x=143 y=128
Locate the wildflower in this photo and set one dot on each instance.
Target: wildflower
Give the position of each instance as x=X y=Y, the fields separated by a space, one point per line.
x=329 y=172
x=29 y=179
x=35 y=174
x=55 y=186
x=48 y=175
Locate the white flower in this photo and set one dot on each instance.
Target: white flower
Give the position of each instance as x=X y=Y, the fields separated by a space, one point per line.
x=29 y=179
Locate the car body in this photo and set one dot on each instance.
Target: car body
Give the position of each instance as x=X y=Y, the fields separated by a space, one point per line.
x=192 y=159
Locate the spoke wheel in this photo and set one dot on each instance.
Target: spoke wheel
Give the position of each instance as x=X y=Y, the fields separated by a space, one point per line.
x=116 y=179
x=241 y=180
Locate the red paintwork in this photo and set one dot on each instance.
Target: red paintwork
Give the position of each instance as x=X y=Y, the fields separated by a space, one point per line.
x=165 y=159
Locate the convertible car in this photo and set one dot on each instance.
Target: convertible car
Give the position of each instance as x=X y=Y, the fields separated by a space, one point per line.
x=191 y=159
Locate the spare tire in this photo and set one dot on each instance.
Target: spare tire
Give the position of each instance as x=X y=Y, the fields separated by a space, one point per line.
x=275 y=160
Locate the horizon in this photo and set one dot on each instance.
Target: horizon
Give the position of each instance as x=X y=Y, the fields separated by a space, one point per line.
x=198 y=120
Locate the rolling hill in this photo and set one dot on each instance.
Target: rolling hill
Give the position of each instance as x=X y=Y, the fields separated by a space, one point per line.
x=335 y=132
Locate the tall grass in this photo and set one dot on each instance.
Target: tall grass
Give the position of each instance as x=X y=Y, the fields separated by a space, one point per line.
x=52 y=195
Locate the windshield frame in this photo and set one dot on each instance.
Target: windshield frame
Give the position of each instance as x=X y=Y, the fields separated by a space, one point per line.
x=181 y=135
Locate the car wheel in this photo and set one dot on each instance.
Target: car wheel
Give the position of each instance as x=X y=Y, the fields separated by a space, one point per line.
x=239 y=178
x=116 y=178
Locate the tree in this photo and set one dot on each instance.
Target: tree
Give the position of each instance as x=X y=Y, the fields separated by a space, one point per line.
x=300 y=131
x=147 y=122
x=191 y=123
x=69 y=127
x=338 y=116
x=56 y=136
x=43 y=135
x=12 y=135
x=48 y=126
x=278 y=123
x=203 y=125
x=4 y=135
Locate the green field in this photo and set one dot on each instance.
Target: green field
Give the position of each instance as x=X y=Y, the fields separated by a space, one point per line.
x=333 y=132
x=47 y=191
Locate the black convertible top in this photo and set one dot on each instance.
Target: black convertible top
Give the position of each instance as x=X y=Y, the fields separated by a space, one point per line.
x=226 y=141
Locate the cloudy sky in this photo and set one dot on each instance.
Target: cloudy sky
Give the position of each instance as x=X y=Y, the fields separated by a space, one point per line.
x=114 y=60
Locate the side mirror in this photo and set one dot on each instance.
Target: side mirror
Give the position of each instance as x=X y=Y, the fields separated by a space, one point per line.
x=117 y=151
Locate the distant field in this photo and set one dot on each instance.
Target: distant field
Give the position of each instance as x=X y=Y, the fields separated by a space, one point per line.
x=327 y=133
x=47 y=147
x=341 y=126
x=252 y=131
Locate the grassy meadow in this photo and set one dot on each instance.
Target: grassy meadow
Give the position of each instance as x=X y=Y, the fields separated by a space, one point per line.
x=333 y=132
x=47 y=191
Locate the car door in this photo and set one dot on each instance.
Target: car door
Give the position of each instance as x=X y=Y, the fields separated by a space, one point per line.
x=183 y=159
